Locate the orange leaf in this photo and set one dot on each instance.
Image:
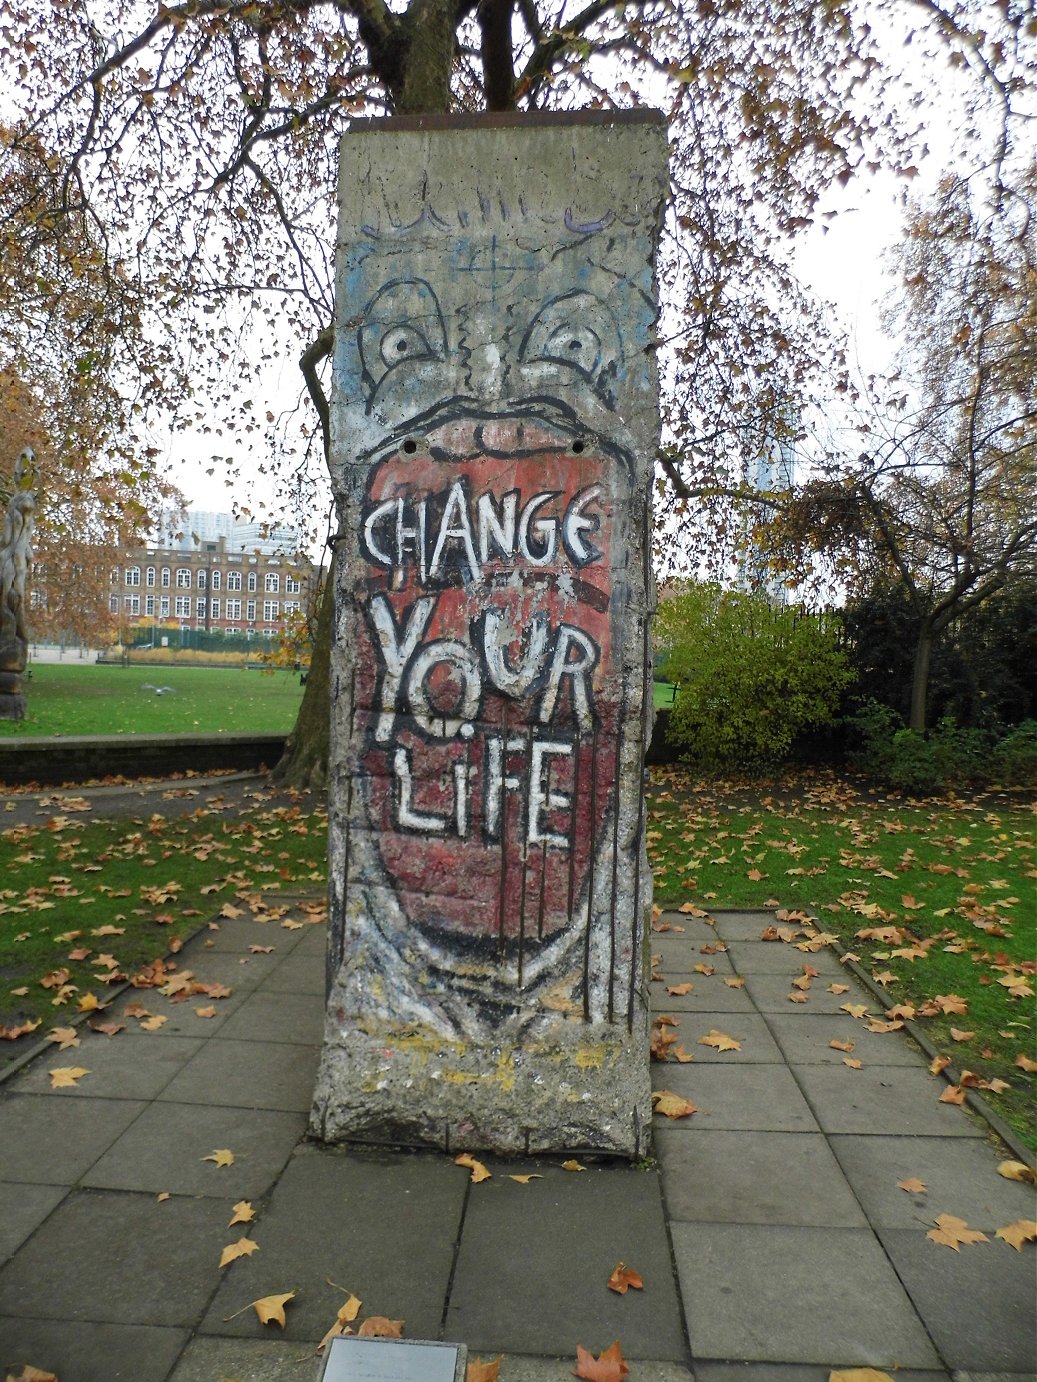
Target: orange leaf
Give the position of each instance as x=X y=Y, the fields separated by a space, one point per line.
x=1017 y=1170
x=736 y=983
x=31 y=1374
x=1022 y=1231
x=953 y=1094
x=1025 y=1063
x=705 y=969
x=679 y=990
x=958 y=1035
x=682 y=1056
x=378 y=1327
x=672 y=1105
x=838 y=988
x=347 y=1313
x=609 y=1366
x=478 y=1170
x=952 y=1232
x=939 y=1063
x=524 y=1180
x=478 y=1371
x=859 y=1375
x=623 y=1277
x=720 y=1040
x=852 y=1062
x=846 y=1046
x=244 y=1247
x=572 y=1166
x=913 y=1186
x=271 y=1308
x=65 y=1076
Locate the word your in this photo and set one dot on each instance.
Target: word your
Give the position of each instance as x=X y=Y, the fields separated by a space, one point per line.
x=450 y=535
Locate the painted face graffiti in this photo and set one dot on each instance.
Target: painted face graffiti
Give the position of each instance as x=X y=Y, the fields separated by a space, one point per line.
x=486 y=678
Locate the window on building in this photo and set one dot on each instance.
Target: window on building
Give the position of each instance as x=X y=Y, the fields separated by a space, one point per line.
x=183 y=606
x=132 y=604
x=133 y=575
x=251 y=580
x=271 y=609
x=250 y=611
x=116 y=576
x=149 y=604
x=233 y=580
x=233 y=609
x=214 y=609
x=113 y=604
x=199 y=608
x=217 y=577
x=291 y=585
x=150 y=577
x=183 y=577
x=291 y=606
x=231 y=629
x=203 y=577
x=272 y=583
x=166 y=573
x=163 y=608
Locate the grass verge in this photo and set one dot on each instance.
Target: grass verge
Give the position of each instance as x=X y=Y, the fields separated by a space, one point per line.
x=65 y=699
x=935 y=898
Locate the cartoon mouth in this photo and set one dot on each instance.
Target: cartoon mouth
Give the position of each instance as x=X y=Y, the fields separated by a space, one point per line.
x=488 y=685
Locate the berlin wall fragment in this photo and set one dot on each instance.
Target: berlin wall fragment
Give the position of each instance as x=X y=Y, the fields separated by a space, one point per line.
x=495 y=424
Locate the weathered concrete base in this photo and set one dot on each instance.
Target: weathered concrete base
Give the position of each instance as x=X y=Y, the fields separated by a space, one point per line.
x=585 y=1089
x=12 y=707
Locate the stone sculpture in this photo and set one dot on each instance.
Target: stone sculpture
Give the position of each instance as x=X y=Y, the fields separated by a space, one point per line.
x=14 y=558
x=494 y=431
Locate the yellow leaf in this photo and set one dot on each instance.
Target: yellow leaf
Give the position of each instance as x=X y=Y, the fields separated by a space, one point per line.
x=478 y=1371
x=859 y=1375
x=679 y=990
x=243 y=1212
x=852 y=1062
x=162 y=1197
x=855 y=1009
x=952 y=1232
x=271 y=1308
x=572 y=1166
x=222 y=1157
x=1017 y=1170
x=378 y=1327
x=624 y=1277
x=152 y=1024
x=347 y=1313
x=244 y=1247
x=205 y=1012
x=913 y=1186
x=736 y=983
x=1022 y=1231
x=65 y=1076
x=1025 y=1063
x=720 y=1040
x=478 y=1170
x=64 y=1036
x=671 y=1105
x=524 y=1180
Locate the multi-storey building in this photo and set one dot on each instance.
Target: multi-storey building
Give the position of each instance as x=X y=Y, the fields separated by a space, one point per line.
x=210 y=587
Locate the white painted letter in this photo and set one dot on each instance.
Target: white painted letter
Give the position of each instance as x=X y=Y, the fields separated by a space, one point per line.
x=396 y=652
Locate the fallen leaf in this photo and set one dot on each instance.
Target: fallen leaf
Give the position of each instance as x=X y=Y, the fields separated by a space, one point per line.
x=683 y=1056
x=798 y=997
x=152 y=1024
x=953 y=1094
x=524 y=1180
x=244 y=1247
x=31 y=1374
x=609 y=1366
x=1017 y=1170
x=65 y=1076
x=938 y=1064
x=857 y=1010
x=205 y=1012
x=704 y=969
x=378 y=1327
x=671 y=1105
x=720 y=1040
x=243 y=1213
x=222 y=1157
x=846 y=1046
x=679 y=990
x=1025 y=1063
x=875 y=1025
x=736 y=983
x=952 y=1232
x=859 y=1375
x=624 y=1277
x=1022 y=1231
x=270 y=1309
x=478 y=1371
x=478 y=1170
x=162 y=1197
x=347 y=1313
x=852 y=1062
x=913 y=1186
x=838 y=988
x=572 y=1166
x=958 y=1035
x=64 y=1036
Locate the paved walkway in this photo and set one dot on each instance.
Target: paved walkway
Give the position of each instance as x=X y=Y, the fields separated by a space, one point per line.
x=773 y=1239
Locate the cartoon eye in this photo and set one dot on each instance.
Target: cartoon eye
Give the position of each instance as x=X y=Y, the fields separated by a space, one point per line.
x=402 y=325
x=576 y=330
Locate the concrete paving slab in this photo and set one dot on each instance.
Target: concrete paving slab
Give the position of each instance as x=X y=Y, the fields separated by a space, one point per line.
x=969 y=1376
x=181 y=1019
x=117 y=1069
x=548 y=1249
x=523 y=1368
x=52 y=1141
x=80 y=1352
x=270 y=1015
x=742 y=926
x=116 y=1258
x=748 y=1029
x=680 y=955
x=754 y=1178
x=708 y=994
x=796 y=1295
x=260 y=1360
x=805 y=1037
x=883 y=1099
x=978 y=1303
x=746 y=1097
x=770 y=993
x=775 y=957
x=961 y=1175
x=241 y=973
x=234 y=935
x=382 y=1225
x=22 y=1209
x=165 y=1150
x=769 y=1372
x=247 y=1074
x=301 y=972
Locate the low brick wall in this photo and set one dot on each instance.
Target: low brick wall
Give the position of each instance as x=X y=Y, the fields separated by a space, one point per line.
x=76 y=759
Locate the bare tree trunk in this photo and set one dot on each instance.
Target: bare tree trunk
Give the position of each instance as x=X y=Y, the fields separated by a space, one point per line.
x=920 y=675
x=304 y=764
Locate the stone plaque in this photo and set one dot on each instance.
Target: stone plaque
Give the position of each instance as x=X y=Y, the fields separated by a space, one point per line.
x=494 y=432
x=393 y=1360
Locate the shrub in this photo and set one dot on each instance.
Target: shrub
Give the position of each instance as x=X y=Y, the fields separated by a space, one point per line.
x=942 y=758
x=752 y=676
x=1014 y=760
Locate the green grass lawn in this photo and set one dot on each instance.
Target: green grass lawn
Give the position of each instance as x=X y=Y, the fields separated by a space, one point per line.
x=87 y=904
x=68 y=699
x=945 y=887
